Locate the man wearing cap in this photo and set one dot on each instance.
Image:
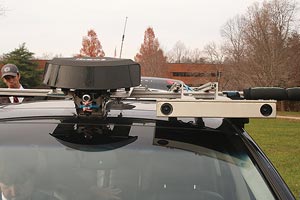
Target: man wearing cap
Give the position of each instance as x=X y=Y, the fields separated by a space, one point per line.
x=11 y=77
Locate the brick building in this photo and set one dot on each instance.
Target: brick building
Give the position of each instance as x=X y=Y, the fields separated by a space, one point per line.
x=194 y=74
x=41 y=63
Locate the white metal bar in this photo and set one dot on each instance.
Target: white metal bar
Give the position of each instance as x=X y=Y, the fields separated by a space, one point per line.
x=142 y=93
x=207 y=86
x=138 y=92
x=30 y=92
x=216 y=108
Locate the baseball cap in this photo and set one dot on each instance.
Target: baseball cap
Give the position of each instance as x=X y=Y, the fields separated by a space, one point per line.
x=9 y=69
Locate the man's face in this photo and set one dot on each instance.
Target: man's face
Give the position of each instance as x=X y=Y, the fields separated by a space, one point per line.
x=12 y=81
x=17 y=191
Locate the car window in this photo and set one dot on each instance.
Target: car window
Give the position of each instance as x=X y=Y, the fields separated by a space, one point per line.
x=128 y=159
x=157 y=83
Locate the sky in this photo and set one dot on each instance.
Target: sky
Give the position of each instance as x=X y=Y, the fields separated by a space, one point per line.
x=56 y=27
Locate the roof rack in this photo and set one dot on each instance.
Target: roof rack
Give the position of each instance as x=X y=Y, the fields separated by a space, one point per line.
x=169 y=104
x=91 y=95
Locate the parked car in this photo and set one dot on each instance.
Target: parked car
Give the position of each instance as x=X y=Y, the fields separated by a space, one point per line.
x=164 y=84
x=123 y=150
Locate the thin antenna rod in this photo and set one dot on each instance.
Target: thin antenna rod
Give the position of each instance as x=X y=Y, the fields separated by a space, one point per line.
x=123 y=37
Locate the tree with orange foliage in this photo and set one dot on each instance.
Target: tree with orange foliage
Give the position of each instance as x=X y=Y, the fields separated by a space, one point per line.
x=151 y=57
x=91 y=46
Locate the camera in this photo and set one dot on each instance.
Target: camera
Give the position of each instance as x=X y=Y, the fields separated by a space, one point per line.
x=266 y=110
x=166 y=109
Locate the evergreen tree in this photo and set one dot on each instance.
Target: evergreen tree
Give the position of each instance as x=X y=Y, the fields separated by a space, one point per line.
x=30 y=76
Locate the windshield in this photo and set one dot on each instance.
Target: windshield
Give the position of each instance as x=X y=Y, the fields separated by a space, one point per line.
x=131 y=160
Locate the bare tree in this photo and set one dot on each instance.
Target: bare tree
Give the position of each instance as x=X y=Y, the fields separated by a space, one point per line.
x=257 y=48
x=50 y=55
x=177 y=53
x=294 y=59
x=197 y=56
x=234 y=46
x=180 y=54
x=213 y=53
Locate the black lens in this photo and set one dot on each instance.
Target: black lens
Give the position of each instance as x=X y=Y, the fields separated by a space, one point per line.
x=266 y=110
x=166 y=109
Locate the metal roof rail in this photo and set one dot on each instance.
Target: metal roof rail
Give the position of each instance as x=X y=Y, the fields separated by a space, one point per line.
x=168 y=104
x=32 y=92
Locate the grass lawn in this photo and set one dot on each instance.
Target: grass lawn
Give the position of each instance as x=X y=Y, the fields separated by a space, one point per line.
x=280 y=140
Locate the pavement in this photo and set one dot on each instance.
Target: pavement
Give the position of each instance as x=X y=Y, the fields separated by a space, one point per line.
x=287 y=117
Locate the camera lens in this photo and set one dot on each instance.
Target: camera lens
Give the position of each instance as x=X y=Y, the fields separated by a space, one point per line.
x=166 y=109
x=266 y=110
x=86 y=97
